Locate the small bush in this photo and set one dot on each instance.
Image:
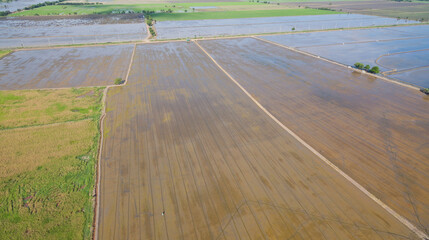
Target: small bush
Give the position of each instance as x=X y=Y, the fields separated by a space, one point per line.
x=118 y=81
x=152 y=32
x=359 y=65
x=425 y=91
x=367 y=67
x=374 y=70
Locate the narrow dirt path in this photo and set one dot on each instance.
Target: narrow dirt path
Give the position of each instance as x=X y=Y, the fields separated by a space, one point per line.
x=100 y=146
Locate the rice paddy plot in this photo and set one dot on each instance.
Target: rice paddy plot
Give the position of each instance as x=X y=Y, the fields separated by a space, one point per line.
x=219 y=27
x=314 y=39
x=392 y=49
x=22 y=32
x=416 y=76
x=64 y=67
x=188 y=155
x=375 y=131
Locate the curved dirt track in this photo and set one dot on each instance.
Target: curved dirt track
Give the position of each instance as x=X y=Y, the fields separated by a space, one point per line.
x=183 y=139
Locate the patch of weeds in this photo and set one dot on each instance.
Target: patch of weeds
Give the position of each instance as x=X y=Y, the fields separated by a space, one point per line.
x=10 y=98
x=55 y=108
x=119 y=81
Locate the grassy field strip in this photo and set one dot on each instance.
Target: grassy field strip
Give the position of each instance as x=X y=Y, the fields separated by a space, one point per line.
x=340 y=64
x=239 y=14
x=48 y=148
x=404 y=221
x=100 y=147
x=4 y=53
x=109 y=8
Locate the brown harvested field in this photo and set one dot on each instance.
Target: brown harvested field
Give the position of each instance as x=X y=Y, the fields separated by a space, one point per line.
x=182 y=138
x=375 y=131
x=64 y=67
x=384 y=8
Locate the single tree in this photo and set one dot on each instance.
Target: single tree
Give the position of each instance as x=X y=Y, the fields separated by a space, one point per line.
x=374 y=70
x=359 y=65
x=118 y=81
x=367 y=67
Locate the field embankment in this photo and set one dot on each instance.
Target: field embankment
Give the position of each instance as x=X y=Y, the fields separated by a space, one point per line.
x=48 y=162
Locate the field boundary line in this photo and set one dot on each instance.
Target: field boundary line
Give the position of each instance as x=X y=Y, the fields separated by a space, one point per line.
x=394 y=72
x=100 y=147
x=403 y=220
x=338 y=64
x=397 y=53
x=46 y=124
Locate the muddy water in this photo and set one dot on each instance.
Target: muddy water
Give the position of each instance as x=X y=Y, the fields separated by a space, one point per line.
x=376 y=131
x=187 y=155
x=205 y=28
x=18 y=32
x=64 y=67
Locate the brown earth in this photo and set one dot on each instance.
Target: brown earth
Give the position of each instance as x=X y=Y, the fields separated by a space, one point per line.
x=182 y=138
x=375 y=131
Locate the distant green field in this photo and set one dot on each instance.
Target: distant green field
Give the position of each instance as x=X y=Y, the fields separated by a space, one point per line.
x=4 y=52
x=117 y=8
x=239 y=14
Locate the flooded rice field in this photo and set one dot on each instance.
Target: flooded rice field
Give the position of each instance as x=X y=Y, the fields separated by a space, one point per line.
x=64 y=67
x=375 y=131
x=219 y=27
x=418 y=76
x=395 y=48
x=25 y=32
x=187 y=155
x=14 y=5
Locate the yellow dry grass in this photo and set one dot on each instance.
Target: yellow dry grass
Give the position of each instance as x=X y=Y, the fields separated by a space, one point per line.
x=24 y=149
x=36 y=107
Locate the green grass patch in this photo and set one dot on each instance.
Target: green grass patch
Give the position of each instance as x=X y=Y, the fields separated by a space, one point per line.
x=118 y=8
x=4 y=52
x=24 y=108
x=239 y=14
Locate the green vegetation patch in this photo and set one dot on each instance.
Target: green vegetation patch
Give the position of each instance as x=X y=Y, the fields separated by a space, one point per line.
x=120 y=8
x=47 y=179
x=47 y=172
x=36 y=107
x=4 y=53
x=239 y=14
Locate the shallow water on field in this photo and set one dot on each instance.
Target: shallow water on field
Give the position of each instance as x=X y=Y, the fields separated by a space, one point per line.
x=218 y=27
x=18 y=32
x=376 y=47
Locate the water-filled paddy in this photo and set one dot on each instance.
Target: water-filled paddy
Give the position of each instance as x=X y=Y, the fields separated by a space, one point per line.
x=206 y=28
x=27 y=32
x=376 y=47
x=64 y=67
